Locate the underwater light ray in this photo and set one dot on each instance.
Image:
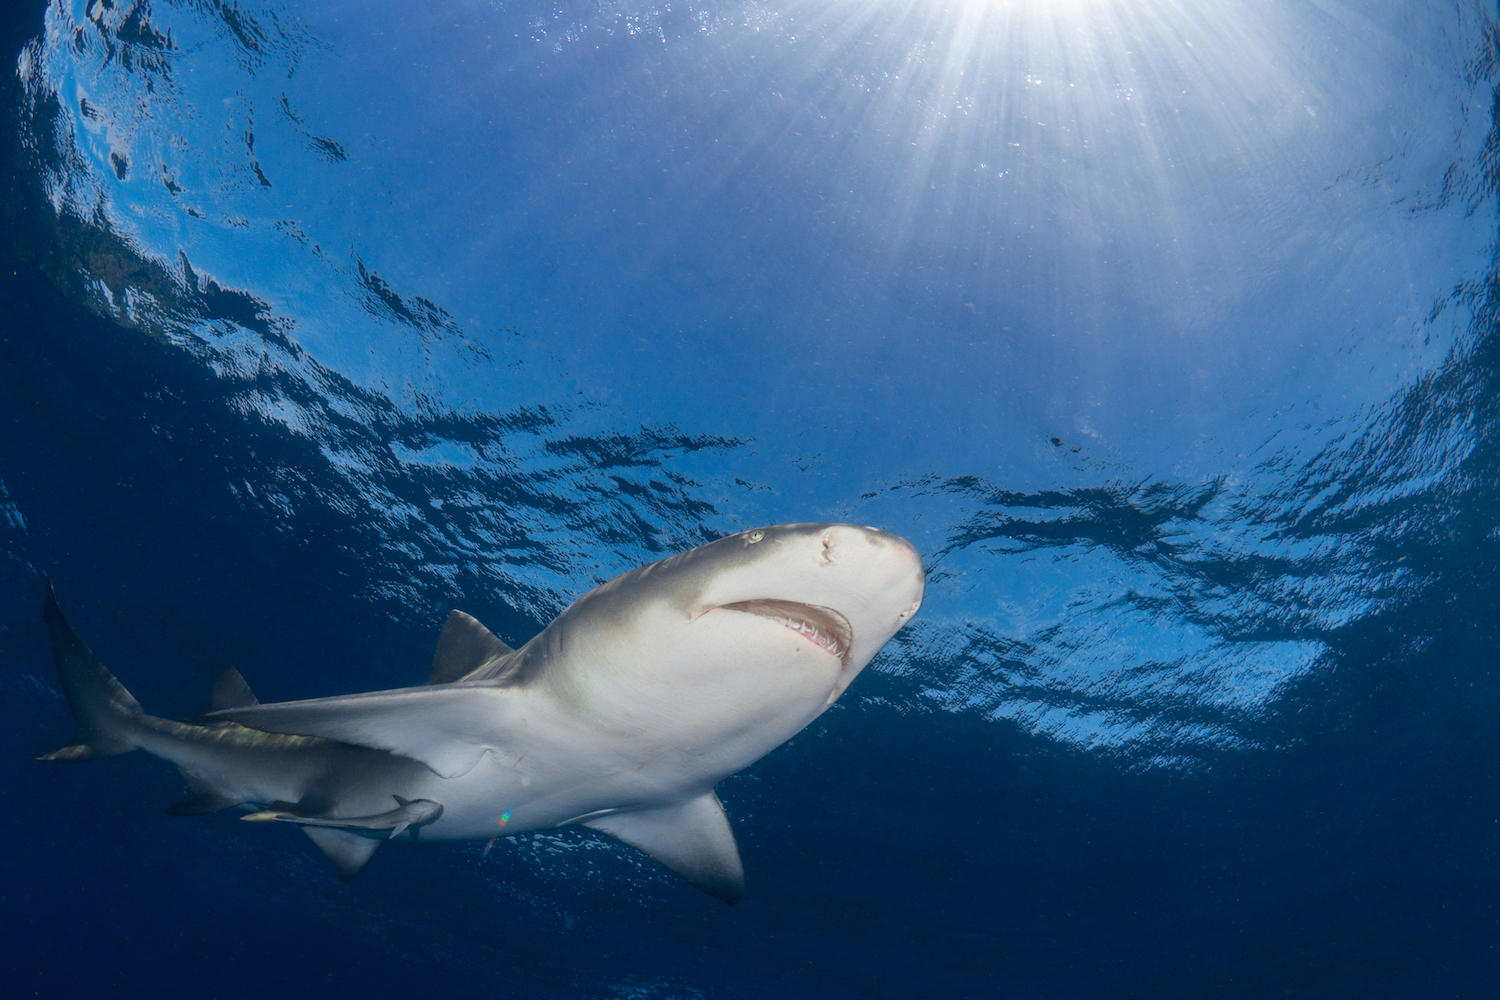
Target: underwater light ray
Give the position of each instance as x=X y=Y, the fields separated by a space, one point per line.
x=913 y=96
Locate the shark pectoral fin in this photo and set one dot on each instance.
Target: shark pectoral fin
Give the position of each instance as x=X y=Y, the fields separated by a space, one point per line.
x=463 y=648
x=692 y=838
x=448 y=728
x=349 y=852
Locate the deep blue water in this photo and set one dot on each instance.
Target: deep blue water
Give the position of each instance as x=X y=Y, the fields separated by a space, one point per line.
x=1168 y=332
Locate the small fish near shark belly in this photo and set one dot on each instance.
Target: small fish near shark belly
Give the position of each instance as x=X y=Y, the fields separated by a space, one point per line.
x=409 y=814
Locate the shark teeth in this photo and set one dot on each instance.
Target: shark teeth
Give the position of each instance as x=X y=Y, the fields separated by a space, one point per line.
x=823 y=627
x=811 y=631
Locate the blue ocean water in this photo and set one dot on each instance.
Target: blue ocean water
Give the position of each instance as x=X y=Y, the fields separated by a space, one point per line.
x=1166 y=331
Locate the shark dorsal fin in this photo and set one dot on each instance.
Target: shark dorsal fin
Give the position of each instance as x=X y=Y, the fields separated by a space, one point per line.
x=464 y=647
x=692 y=838
x=349 y=852
x=230 y=691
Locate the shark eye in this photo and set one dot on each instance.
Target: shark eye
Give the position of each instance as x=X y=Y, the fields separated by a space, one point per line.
x=756 y=536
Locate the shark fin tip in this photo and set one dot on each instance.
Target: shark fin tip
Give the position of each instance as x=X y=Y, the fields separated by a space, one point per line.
x=349 y=852
x=73 y=752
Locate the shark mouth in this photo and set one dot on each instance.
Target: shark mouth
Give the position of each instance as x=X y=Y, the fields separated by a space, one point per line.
x=823 y=627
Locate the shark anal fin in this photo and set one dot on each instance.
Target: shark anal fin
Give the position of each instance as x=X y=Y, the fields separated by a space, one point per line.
x=349 y=852
x=464 y=647
x=202 y=797
x=692 y=838
x=448 y=727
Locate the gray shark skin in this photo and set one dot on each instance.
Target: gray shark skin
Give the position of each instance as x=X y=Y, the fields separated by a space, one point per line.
x=620 y=716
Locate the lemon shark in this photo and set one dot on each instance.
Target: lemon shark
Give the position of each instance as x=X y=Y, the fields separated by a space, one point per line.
x=620 y=716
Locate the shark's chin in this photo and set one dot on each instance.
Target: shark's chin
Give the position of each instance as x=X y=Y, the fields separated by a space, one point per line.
x=823 y=627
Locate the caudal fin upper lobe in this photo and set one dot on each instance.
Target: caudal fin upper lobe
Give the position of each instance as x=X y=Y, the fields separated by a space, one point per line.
x=103 y=710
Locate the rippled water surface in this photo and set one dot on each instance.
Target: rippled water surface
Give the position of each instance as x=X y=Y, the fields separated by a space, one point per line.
x=1166 y=331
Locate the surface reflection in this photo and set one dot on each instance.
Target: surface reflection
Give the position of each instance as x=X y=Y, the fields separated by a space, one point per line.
x=1153 y=331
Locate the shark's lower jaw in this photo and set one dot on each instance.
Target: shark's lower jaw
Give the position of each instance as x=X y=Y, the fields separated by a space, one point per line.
x=824 y=627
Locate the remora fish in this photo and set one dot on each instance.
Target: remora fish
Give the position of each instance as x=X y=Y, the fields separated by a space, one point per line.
x=620 y=716
x=407 y=814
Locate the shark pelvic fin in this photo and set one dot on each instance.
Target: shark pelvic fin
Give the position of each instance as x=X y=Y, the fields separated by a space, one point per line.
x=349 y=852
x=102 y=709
x=692 y=838
x=464 y=647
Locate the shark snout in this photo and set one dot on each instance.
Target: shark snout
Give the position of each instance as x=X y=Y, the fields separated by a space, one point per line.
x=887 y=558
x=872 y=580
x=862 y=541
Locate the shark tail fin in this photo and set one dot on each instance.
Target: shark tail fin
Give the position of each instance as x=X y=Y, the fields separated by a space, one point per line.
x=102 y=709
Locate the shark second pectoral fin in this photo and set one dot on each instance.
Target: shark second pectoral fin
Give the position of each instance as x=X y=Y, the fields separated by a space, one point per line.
x=349 y=852
x=692 y=838
x=447 y=727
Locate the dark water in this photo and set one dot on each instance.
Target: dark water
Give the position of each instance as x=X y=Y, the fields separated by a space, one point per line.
x=318 y=322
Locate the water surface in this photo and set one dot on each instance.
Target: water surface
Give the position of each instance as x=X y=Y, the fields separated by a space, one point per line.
x=1165 y=331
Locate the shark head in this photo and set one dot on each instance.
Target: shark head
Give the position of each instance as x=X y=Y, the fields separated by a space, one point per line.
x=731 y=648
x=843 y=588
